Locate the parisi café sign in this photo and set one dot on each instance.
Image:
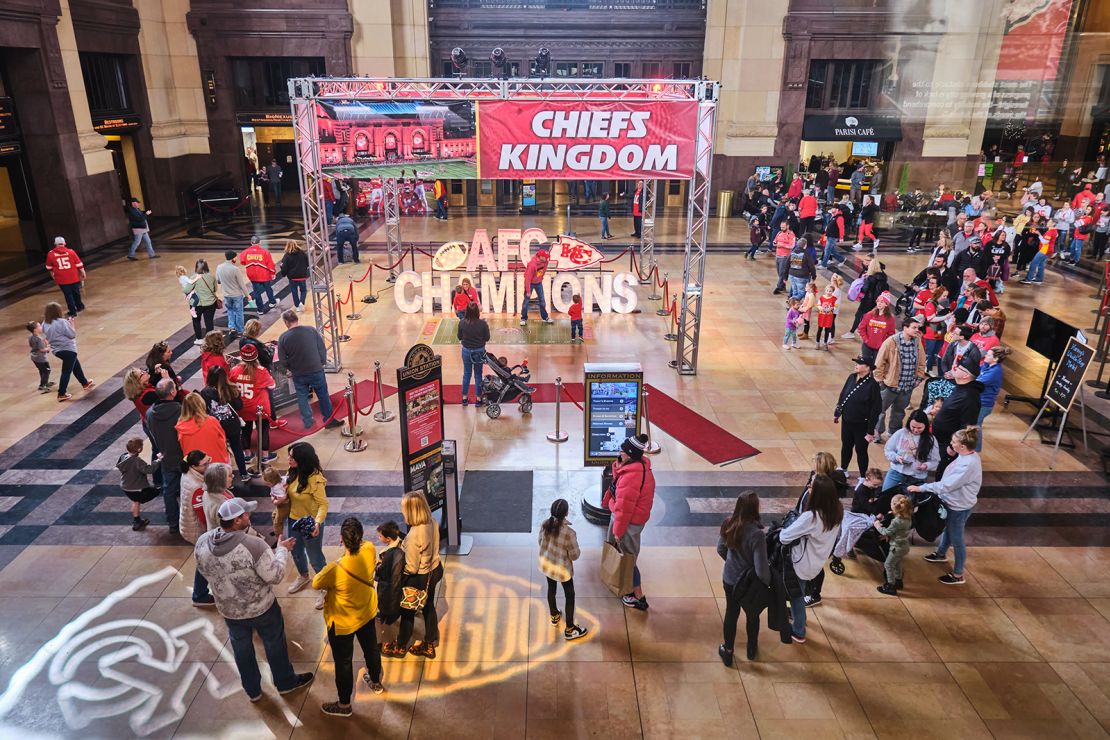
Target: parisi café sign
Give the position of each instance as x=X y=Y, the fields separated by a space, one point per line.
x=852 y=127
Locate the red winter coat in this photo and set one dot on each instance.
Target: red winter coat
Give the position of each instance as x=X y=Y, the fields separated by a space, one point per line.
x=634 y=485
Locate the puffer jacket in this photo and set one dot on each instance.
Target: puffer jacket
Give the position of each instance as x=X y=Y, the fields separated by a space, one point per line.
x=631 y=495
x=191 y=529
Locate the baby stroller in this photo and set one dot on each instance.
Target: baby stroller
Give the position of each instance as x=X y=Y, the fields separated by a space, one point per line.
x=505 y=385
x=857 y=531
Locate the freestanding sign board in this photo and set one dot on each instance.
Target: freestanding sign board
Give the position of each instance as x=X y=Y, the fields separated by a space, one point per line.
x=1064 y=389
x=613 y=397
x=420 y=396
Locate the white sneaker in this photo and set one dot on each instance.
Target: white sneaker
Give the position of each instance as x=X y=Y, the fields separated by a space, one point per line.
x=198 y=342
x=523 y=322
x=848 y=335
x=857 y=247
x=875 y=247
x=549 y=321
x=300 y=584
x=320 y=599
x=786 y=346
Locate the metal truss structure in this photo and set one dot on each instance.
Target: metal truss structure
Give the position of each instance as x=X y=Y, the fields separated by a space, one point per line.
x=305 y=92
x=392 y=210
x=647 y=233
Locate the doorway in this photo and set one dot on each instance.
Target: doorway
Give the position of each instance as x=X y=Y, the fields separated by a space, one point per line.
x=21 y=240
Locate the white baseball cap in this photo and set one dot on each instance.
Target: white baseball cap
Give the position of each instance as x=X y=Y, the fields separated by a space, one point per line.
x=234 y=508
x=59 y=240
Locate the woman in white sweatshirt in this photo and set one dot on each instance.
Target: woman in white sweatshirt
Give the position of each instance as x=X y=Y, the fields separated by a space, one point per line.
x=813 y=533
x=958 y=489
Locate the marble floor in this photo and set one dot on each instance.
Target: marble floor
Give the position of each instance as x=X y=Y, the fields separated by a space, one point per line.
x=1021 y=650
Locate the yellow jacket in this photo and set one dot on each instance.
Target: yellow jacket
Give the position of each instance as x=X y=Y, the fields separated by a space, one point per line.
x=349 y=603
x=313 y=501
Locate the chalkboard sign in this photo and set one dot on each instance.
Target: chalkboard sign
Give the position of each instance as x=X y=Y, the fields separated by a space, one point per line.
x=1069 y=373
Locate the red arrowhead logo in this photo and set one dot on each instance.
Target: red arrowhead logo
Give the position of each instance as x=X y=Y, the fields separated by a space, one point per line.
x=569 y=253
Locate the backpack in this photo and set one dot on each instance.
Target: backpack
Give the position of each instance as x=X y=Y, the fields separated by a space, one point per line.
x=856 y=288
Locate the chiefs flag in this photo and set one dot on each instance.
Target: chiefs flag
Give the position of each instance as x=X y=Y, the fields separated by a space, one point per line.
x=586 y=140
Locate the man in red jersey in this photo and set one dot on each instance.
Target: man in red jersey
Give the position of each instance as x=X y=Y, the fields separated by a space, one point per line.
x=68 y=271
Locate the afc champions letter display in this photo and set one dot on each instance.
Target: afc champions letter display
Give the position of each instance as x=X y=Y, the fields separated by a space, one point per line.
x=420 y=398
x=613 y=398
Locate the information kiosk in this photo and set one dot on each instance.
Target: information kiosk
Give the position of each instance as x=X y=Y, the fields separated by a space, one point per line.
x=614 y=394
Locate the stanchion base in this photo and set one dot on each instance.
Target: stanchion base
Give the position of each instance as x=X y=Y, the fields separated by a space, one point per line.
x=1104 y=395
x=1096 y=384
x=671 y=338
x=654 y=296
x=652 y=448
x=343 y=338
x=595 y=514
x=645 y=282
x=466 y=544
x=353 y=317
x=346 y=431
x=370 y=299
x=557 y=437
x=384 y=416
x=355 y=445
x=662 y=312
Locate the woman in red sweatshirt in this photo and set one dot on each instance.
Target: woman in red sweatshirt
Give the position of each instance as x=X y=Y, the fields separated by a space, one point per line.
x=196 y=430
x=876 y=325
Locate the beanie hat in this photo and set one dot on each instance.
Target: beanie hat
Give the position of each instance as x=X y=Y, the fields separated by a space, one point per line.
x=248 y=353
x=634 y=446
x=886 y=296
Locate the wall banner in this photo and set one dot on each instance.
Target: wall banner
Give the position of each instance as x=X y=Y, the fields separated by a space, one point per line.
x=586 y=140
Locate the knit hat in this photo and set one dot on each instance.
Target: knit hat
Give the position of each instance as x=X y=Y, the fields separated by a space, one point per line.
x=886 y=296
x=634 y=446
x=248 y=353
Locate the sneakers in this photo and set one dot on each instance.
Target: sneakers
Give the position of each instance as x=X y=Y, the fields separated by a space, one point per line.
x=887 y=588
x=44 y=388
x=632 y=602
x=335 y=709
x=574 y=632
x=204 y=601
x=254 y=699
x=800 y=639
x=466 y=402
x=320 y=596
x=138 y=524
x=556 y=618
x=279 y=423
x=333 y=424
x=63 y=397
x=300 y=584
x=857 y=247
x=523 y=322
x=375 y=686
x=303 y=679
x=812 y=601
x=951 y=579
x=549 y=321
x=423 y=650
x=198 y=342
x=246 y=478
x=88 y=386
x=936 y=557
x=786 y=346
x=393 y=650
x=269 y=457
x=133 y=258
x=848 y=335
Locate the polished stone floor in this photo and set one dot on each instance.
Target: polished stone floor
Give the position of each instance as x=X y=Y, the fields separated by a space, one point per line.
x=1022 y=650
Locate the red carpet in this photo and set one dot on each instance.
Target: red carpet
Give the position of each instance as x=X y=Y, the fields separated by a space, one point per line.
x=364 y=391
x=695 y=431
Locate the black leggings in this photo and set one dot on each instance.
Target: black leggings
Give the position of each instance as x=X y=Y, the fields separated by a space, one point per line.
x=343 y=653
x=208 y=314
x=732 y=615
x=852 y=434
x=431 y=618
x=263 y=431
x=70 y=366
x=568 y=595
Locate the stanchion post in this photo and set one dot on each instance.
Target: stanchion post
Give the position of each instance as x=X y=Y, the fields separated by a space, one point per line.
x=385 y=414
x=654 y=294
x=558 y=435
x=671 y=336
x=355 y=443
x=259 y=421
x=353 y=315
x=343 y=335
x=652 y=447
x=370 y=297
x=663 y=310
x=351 y=428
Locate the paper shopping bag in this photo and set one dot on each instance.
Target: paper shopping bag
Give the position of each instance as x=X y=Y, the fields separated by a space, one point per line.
x=616 y=569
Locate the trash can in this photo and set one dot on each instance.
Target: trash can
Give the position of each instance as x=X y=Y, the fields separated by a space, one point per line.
x=724 y=203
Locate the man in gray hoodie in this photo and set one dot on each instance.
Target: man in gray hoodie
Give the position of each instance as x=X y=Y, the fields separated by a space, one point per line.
x=242 y=570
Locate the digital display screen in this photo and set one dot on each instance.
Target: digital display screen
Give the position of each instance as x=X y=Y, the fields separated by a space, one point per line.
x=865 y=148
x=614 y=409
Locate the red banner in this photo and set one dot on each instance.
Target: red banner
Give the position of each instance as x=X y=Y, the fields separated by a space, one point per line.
x=586 y=140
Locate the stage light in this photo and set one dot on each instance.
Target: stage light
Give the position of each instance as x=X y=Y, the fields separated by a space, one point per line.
x=459 y=60
x=543 y=62
x=657 y=87
x=497 y=57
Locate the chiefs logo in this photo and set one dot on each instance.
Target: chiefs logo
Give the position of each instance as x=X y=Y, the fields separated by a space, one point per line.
x=568 y=253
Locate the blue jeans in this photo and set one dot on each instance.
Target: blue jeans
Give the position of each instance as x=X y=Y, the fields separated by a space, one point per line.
x=72 y=292
x=473 y=362
x=312 y=545
x=831 y=252
x=538 y=287
x=260 y=289
x=271 y=628
x=1036 y=268
x=340 y=241
x=954 y=535
x=171 y=496
x=605 y=226
x=576 y=326
x=984 y=412
x=317 y=383
x=790 y=336
x=275 y=192
x=234 y=306
x=798 y=287
x=932 y=352
x=894 y=478
x=298 y=290
x=798 y=611
x=143 y=237
x=1075 y=249
x=329 y=210
x=200 y=587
